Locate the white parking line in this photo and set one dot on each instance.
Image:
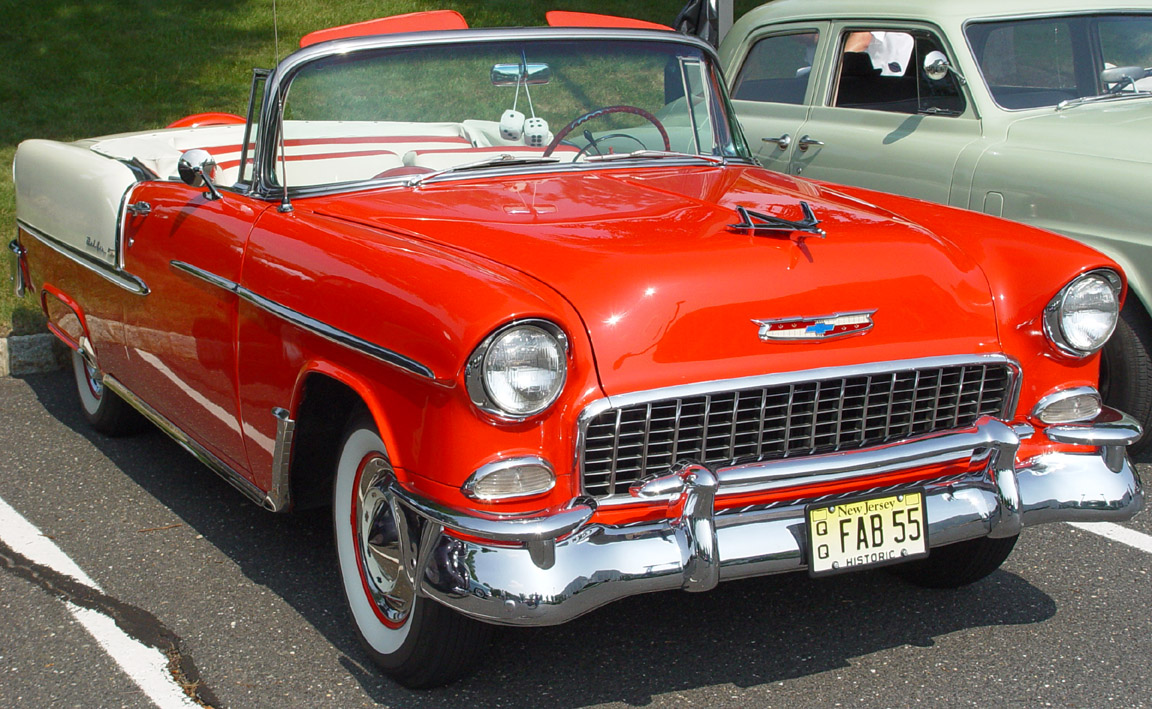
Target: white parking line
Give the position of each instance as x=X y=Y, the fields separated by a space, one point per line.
x=146 y=666
x=1116 y=533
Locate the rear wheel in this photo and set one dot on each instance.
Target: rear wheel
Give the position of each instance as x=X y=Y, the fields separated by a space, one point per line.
x=1126 y=370
x=417 y=641
x=107 y=412
x=957 y=565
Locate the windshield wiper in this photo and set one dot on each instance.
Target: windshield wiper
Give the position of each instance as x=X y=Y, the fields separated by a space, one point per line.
x=654 y=154
x=498 y=160
x=1070 y=102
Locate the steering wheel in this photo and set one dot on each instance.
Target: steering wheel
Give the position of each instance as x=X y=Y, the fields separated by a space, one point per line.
x=594 y=143
x=603 y=112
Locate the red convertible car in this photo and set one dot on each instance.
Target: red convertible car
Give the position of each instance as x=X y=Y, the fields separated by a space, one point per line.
x=520 y=306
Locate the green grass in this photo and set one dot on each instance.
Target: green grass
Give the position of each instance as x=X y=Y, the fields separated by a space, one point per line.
x=92 y=67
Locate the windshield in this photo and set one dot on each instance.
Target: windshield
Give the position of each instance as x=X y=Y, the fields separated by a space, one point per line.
x=1045 y=61
x=406 y=111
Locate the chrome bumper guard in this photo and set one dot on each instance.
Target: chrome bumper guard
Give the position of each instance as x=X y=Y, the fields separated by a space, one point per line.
x=549 y=569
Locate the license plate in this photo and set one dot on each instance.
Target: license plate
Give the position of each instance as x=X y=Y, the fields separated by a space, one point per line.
x=866 y=532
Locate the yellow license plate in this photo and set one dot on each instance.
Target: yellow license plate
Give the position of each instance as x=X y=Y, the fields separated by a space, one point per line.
x=867 y=532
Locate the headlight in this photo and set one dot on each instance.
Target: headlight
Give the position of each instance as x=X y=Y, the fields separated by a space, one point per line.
x=1082 y=316
x=519 y=370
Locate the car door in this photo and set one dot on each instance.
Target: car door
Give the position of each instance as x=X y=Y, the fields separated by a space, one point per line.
x=883 y=122
x=181 y=338
x=773 y=81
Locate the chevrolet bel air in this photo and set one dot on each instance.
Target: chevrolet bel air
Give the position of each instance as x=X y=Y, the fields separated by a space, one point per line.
x=522 y=309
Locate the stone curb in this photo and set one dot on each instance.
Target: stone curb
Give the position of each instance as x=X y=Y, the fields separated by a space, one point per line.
x=31 y=354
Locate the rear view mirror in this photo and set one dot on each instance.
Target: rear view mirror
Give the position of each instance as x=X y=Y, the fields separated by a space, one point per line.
x=513 y=74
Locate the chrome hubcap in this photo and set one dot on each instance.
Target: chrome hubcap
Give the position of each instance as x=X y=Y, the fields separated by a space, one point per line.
x=95 y=383
x=383 y=541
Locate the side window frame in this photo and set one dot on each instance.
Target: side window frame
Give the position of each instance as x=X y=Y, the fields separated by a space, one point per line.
x=838 y=38
x=814 y=87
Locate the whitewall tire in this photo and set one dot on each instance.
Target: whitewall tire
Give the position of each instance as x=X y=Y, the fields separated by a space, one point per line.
x=419 y=642
x=107 y=412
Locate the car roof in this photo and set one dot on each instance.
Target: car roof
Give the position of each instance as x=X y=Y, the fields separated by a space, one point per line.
x=940 y=11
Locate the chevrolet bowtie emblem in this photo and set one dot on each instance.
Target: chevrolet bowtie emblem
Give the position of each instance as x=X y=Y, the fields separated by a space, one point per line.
x=825 y=327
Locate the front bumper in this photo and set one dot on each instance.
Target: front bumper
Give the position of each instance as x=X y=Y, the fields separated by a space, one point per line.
x=550 y=569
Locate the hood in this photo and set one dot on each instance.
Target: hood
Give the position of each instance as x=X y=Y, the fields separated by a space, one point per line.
x=669 y=293
x=1116 y=130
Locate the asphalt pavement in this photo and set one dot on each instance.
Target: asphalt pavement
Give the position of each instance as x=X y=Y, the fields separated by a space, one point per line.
x=248 y=607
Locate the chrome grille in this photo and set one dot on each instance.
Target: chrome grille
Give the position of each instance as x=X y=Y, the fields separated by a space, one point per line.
x=783 y=420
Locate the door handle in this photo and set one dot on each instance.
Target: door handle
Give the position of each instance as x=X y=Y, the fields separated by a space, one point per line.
x=140 y=209
x=806 y=141
x=782 y=142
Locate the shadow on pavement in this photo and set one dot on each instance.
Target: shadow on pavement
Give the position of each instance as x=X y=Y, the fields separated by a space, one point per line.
x=746 y=633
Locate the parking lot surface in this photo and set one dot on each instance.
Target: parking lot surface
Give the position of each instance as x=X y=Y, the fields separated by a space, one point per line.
x=246 y=607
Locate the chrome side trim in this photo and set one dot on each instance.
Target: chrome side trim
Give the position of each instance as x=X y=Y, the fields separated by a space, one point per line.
x=316 y=327
x=280 y=495
x=18 y=267
x=231 y=476
x=119 y=277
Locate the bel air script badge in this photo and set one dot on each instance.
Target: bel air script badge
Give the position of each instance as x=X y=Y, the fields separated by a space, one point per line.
x=825 y=327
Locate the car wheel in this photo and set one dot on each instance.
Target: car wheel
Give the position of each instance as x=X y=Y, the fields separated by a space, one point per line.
x=1126 y=371
x=105 y=411
x=417 y=641
x=957 y=565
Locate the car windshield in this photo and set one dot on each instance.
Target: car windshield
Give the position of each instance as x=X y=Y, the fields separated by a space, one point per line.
x=1052 y=60
x=418 y=112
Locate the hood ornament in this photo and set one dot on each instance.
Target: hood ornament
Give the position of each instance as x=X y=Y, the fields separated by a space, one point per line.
x=757 y=222
x=824 y=327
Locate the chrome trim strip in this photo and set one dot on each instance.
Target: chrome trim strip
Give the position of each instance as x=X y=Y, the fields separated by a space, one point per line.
x=231 y=476
x=312 y=325
x=535 y=527
x=279 y=498
x=1109 y=428
x=18 y=252
x=119 y=277
x=621 y=401
x=975 y=444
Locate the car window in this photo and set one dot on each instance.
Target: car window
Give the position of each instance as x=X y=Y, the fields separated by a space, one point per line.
x=777 y=69
x=1127 y=41
x=883 y=70
x=1027 y=63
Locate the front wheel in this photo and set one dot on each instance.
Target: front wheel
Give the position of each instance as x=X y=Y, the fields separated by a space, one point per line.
x=1126 y=370
x=959 y=564
x=417 y=641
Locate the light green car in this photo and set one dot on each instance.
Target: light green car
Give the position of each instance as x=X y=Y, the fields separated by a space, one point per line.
x=1034 y=110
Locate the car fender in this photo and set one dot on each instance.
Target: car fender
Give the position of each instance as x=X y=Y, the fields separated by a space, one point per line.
x=1099 y=201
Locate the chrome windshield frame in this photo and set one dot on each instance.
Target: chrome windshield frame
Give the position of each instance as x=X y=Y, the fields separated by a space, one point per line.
x=281 y=78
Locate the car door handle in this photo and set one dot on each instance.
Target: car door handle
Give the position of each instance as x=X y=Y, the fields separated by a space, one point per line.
x=140 y=209
x=805 y=141
x=782 y=142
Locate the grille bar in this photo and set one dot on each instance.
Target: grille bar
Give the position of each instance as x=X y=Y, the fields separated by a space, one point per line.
x=623 y=445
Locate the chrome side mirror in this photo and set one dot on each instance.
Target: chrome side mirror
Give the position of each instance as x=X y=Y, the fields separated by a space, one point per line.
x=198 y=168
x=936 y=67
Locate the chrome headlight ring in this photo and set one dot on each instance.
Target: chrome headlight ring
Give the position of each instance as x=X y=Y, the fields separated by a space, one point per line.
x=519 y=369
x=1082 y=316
